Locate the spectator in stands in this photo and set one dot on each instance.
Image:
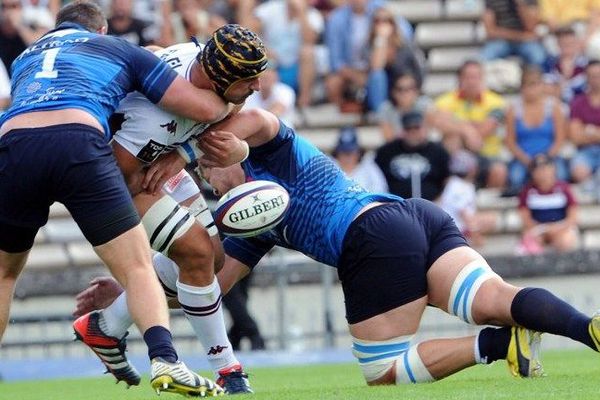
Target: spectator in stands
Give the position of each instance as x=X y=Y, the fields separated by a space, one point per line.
x=413 y=165
x=404 y=96
x=290 y=30
x=189 y=19
x=232 y=11
x=535 y=124
x=475 y=113
x=459 y=199
x=391 y=54
x=559 y=14
x=4 y=89
x=548 y=210
x=510 y=28
x=358 y=165
x=51 y=5
x=566 y=71
x=122 y=23
x=15 y=33
x=584 y=128
x=274 y=96
x=346 y=37
x=156 y=15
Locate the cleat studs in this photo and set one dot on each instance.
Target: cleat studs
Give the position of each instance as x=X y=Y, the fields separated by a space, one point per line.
x=165 y=385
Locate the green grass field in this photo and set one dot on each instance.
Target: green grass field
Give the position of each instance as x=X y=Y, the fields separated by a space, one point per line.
x=571 y=375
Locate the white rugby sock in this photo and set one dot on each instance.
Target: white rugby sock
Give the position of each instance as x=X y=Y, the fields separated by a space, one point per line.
x=202 y=307
x=115 y=319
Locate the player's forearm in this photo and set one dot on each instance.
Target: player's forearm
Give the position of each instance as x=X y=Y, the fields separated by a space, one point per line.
x=255 y=126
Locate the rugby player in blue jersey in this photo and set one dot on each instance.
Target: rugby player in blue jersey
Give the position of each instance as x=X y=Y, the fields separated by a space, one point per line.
x=393 y=256
x=53 y=147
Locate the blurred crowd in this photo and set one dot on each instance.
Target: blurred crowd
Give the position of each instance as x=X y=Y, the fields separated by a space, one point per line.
x=532 y=140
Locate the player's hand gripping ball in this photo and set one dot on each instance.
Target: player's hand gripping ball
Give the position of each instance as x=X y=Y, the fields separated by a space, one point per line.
x=251 y=208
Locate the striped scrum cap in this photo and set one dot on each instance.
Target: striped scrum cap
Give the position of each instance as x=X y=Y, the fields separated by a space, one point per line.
x=232 y=54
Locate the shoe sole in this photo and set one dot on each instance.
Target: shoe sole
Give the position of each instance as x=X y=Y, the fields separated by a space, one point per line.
x=526 y=368
x=165 y=383
x=79 y=337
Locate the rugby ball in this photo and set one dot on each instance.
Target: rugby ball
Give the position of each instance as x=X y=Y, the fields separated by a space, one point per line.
x=251 y=208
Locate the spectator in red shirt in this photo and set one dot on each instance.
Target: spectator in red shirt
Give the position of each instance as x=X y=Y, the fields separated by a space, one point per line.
x=584 y=128
x=548 y=210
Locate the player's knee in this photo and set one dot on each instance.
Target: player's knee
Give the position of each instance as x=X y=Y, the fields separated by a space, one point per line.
x=193 y=251
x=492 y=305
x=391 y=362
x=464 y=289
x=165 y=222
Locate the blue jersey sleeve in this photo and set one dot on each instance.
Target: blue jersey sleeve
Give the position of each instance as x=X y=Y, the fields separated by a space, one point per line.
x=248 y=251
x=152 y=75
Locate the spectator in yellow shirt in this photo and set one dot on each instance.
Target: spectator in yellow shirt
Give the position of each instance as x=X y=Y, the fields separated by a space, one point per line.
x=557 y=14
x=475 y=113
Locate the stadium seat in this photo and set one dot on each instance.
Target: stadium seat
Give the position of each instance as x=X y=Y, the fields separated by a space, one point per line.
x=417 y=10
x=436 y=84
x=511 y=222
x=470 y=10
x=589 y=218
x=44 y=256
x=450 y=59
x=591 y=239
x=328 y=116
x=58 y=210
x=325 y=139
x=502 y=244
x=432 y=34
x=62 y=230
x=82 y=253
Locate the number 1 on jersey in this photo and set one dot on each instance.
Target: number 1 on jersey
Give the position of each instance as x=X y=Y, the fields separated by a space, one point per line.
x=48 y=70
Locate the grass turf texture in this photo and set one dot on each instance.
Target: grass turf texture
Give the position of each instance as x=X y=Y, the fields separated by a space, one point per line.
x=571 y=375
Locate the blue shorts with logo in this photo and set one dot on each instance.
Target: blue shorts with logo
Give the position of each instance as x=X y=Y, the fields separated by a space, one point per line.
x=387 y=252
x=71 y=164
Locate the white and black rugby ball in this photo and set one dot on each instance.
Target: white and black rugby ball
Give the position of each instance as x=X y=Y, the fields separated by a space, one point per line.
x=251 y=208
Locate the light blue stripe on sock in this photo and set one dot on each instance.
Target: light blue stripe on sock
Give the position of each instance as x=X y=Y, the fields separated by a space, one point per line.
x=380 y=348
x=380 y=357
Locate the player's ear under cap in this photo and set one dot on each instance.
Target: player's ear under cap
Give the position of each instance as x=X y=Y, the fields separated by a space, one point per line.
x=232 y=54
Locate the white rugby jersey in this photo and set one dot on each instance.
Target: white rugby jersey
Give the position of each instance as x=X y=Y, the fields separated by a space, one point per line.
x=147 y=131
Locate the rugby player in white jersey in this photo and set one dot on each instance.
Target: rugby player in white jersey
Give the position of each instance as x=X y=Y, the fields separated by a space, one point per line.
x=179 y=225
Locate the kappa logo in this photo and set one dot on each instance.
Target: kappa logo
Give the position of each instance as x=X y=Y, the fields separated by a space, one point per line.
x=171 y=127
x=214 y=350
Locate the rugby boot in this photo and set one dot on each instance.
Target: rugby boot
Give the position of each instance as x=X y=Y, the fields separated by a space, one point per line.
x=177 y=378
x=234 y=380
x=523 y=355
x=110 y=350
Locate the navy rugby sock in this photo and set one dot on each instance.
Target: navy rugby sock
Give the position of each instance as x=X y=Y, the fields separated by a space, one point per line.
x=160 y=344
x=540 y=310
x=493 y=344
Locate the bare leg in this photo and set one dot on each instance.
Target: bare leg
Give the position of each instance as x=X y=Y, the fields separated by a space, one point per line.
x=128 y=258
x=11 y=265
x=441 y=357
x=307 y=75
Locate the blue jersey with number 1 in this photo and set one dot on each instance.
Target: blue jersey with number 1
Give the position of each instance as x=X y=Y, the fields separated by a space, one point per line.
x=323 y=201
x=71 y=67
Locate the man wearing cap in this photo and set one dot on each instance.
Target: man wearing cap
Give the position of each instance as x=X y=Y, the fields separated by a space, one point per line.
x=144 y=137
x=413 y=165
x=351 y=159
